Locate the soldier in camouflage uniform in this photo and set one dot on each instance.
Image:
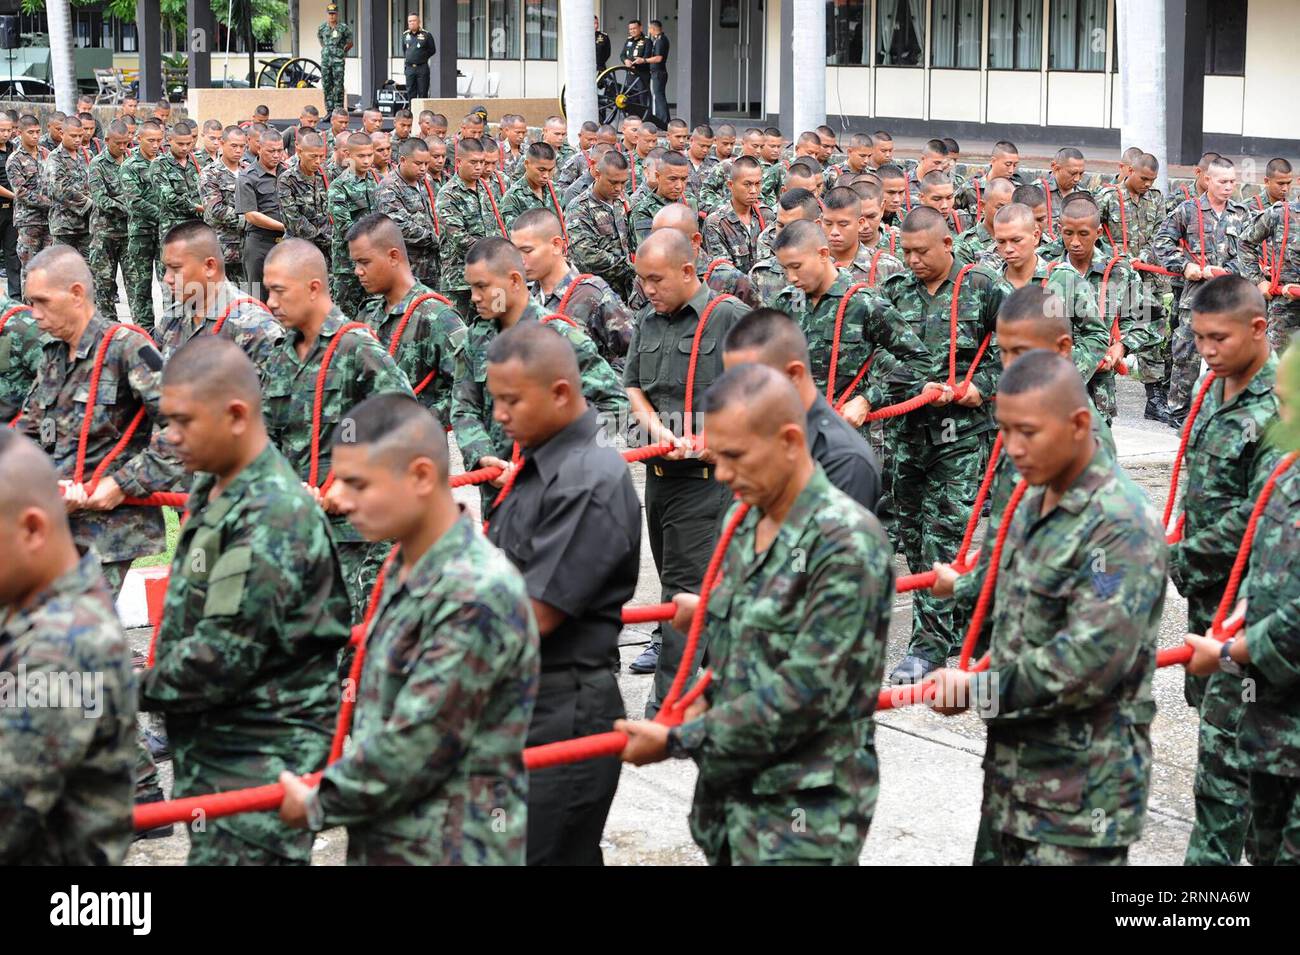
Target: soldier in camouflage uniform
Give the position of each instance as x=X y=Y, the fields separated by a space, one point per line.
x=140 y=198
x=671 y=171
x=558 y=287
x=109 y=217
x=1198 y=236
x=719 y=274
x=533 y=190
x=596 y=221
x=843 y=222
x=217 y=193
x=976 y=243
x=1265 y=652
x=435 y=773
x=494 y=270
x=203 y=296
x=407 y=199
x=53 y=137
x=176 y=177
x=67 y=765
x=699 y=155
x=870 y=326
x=351 y=196
x=780 y=715
x=335 y=41
x=304 y=196
x=256 y=611
x=941 y=449
x=767 y=277
x=774 y=177
x=1004 y=163
x=359 y=368
x=1273 y=237
x=31 y=198
x=55 y=411
x=1073 y=648
x=465 y=214
x=21 y=344
x=1227 y=460
x=432 y=336
x=66 y=176
x=731 y=232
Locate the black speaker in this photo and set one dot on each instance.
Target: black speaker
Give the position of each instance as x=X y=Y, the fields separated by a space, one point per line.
x=8 y=33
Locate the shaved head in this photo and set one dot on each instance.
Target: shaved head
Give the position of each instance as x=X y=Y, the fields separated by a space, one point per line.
x=66 y=263
x=773 y=335
x=299 y=257
x=544 y=355
x=542 y=221
x=679 y=216
x=999 y=188
x=216 y=370
x=769 y=400
x=395 y=429
x=1037 y=305
x=924 y=219
x=1052 y=379
x=670 y=245
x=27 y=479
x=1016 y=213
x=197 y=239
x=498 y=254
x=382 y=232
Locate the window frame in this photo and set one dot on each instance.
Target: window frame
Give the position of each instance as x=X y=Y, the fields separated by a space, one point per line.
x=988 y=47
x=979 y=39
x=1051 y=27
x=922 y=49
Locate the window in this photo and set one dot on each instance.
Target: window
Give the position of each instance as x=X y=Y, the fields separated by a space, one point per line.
x=127 y=41
x=1015 y=34
x=900 y=32
x=847 y=33
x=1078 y=36
x=471 y=24
x=503 y=29
x=1225 y=38
x=541 y=29
x=955 y=27
x=87 y=28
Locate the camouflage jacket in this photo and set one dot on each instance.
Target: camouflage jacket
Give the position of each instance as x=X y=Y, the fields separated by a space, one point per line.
x=31 y=197
x=727 y=237
x=349 y=199
x=54 y=414
x=139 y=195
x=246 y=657
x=68 y=769
x=519 y=198
x=411 y=208
x=1130 y=221
x=465 y=216
x=67 y=178
x=767 y=280
x=21 y=352
x=713 y=192
x=1056 y=200
x=1226 y=463
x=929 y=316
x=430 y=343
x=874 y=264
x=1211 y=238
x=579 y=187
x=797 y=644
x=565 y=175
x=304 y=202
x=110 y=214
x=217 y=193
x=334 y=42
x=596 y=307
x=478 y=433
x=248 y=324
x=641 y=214
x=871 y=326
x=970 y=197
x=1127 y=300
x=1269 y=737
x=1091 y=335
x=178 y=192
x=359 y=368
x=974 y=245
x=1080 y=592
x=600 y=240
x=697 y=176
x=1266 y=251
x=436 y=773
x=774 y=177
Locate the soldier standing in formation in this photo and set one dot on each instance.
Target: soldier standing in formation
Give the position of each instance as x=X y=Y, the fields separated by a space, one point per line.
x=335 y=41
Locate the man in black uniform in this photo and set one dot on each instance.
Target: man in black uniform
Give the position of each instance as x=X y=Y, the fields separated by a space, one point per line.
x=257 y=199
x=572 y=525
x=418 y=45
x=8 y=234
x=603 y=48
x=657 y=57
x=768 y=336
x=635 y=51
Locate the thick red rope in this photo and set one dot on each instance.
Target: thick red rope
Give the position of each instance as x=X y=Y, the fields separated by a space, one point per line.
x=578 y=279
x=1176 y=534
x=396 y=341
x=318 y=400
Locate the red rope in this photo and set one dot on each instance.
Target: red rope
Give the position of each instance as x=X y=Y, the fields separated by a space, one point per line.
x=578 y=279
x=687 y=426
x=835 y=340
x=1048 y=193
x=358 y=640
x=1278 y=258
x=495 y=211
x=396 y=340
x=92 y=396
x=237 y=300
x=433 y=207
x=708 y=272
x=1177 y=534
x=318 y=401
x=559 y=214
x=1115 y=337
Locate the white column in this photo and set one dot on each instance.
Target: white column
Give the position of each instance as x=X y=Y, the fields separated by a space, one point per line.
x=579 y=52
x=1142 y=79
x=62 y=75
x=808 y=54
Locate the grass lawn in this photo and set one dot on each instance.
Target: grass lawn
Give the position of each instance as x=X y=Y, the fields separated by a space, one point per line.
x=173 y=520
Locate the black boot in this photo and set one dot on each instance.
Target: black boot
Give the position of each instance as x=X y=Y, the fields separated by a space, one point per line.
x=1157 y=409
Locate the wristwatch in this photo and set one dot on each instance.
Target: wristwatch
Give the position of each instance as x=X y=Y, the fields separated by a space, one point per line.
x=1226 y=663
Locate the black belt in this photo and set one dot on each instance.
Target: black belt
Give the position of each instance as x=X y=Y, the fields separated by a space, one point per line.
x=701 y=473
x=266 y=234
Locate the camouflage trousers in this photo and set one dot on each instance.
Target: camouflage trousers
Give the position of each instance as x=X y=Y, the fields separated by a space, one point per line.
x=107 y=254
x=1283 y=322
x=1186 y=363
x=934 y=488
x=1275 y=808
x=31 y=239
x=1002 y=848
x=75 y=240
x=805 y=827
x=332 y=83
x=139 y=267
x=346 y=290
x=1148 y=363
x=1101 y=388
x=1223 y=829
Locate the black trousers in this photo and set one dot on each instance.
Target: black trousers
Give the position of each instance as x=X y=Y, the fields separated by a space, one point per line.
x=417 y=81
x=568 y=805
x=683 y=515
x=659 y=99
x=9 y=247
x=257 y=245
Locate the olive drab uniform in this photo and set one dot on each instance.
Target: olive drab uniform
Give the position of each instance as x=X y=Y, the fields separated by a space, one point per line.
x=350 y=199
x=178 y=192
x=109 y=220
x=304 y=201
x=67 y=178
x=1131 y=223
x=141 y=262
x=246 y=655
x=465 y=215
x=600 y=241
x=21 y=353
x=726 y=236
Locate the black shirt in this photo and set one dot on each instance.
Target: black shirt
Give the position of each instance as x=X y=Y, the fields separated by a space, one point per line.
x=658 y=46
x=847 y=459
x=257 y=190
x=634 y=48
x=572 y=525
x=603 y=49
x=418 y=47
